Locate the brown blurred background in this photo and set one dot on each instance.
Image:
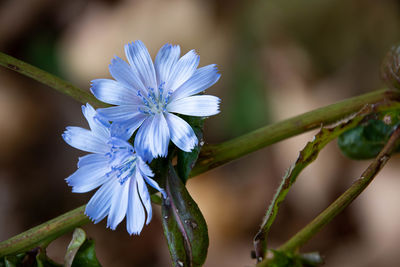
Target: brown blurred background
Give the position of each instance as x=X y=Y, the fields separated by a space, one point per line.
x=278 y=58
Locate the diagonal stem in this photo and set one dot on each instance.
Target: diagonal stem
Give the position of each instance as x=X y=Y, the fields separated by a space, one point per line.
x=343 y=201
x=212 y=156
x=42 y=234
x=49 y=80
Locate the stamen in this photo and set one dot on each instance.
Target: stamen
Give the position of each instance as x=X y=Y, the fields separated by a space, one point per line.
x=123 y=163
x=154 y=102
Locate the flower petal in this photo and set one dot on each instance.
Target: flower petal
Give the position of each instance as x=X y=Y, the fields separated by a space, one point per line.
x=118 y=113
x=182 y=135
x=153 y=137
x=202 y=79
x=119 y=205
x=141 y=63
x=99 y=204
x=125 y=129
x=113 y=92
x=96 y=159
x=198 y=105
x=84 y=140
x=144 y=196
x=183 y=70
x=155 y=185
x=88 y=177
x=135 y=215
x=97 y=127
x=143 y=167
x=165 y=61
x=122 y=72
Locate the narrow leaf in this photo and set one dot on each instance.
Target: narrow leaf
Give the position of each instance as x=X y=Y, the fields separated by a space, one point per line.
x=186 y=160
x=78 y=238
x=184 y=225
x=49 y=80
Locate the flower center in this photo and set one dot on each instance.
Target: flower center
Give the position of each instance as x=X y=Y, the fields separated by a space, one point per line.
x=123 y=163
x=154 y=102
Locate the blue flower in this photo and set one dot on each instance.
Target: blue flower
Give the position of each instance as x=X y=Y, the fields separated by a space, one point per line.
x=116 y=168
x=146 y=95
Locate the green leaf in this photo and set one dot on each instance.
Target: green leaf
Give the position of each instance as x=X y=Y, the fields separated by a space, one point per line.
x=184 y=225
x=78 y=238
x=86 y=255
x=186 y=160
x=366 y=140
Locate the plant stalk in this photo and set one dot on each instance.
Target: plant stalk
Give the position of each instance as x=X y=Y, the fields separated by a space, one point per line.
x=49 y=80
x=212 y=156
x=42 y=234
x=343 y=201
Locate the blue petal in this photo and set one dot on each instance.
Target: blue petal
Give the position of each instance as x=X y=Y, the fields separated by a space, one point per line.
x=165 y=61
x=125 y=129
x=135 y=215
x=182 y=135
x=119 y=205
x=97 y=127
x=144 y=196
x=120 y=143
x=143 y=167
x=202 y=79
x=99 y=204
x=153 y=137
x=84 y=140
x=113 y=92
x=92 y=159
x=123 y=73
x=183 y=70
x=141 y=148
x=141 y=63
x=155 y=185
x=119 y=113
x=198 y=105
x=88 y=177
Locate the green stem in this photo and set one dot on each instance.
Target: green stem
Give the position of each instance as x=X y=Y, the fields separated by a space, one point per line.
x=49 y=80
x=42 y=234
x=212 y=156
x=343 y=201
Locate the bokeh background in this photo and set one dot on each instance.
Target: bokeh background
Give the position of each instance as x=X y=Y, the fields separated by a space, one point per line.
x=278 y=58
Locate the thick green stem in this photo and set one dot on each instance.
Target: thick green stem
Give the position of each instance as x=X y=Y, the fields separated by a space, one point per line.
x=212 y=156
x=42 y=234
x=343 y=201
x=49 y=80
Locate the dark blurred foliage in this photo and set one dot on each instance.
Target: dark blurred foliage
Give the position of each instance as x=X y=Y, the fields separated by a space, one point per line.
x=277 y=59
